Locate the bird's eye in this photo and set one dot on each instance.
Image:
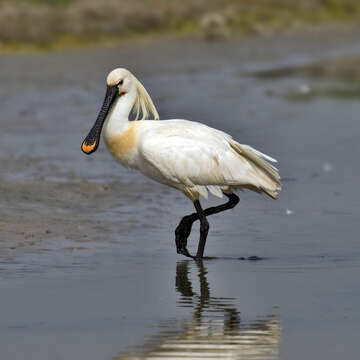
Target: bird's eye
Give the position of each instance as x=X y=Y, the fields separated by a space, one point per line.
x=120 y=82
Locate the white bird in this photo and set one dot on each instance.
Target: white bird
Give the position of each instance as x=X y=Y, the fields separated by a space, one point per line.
x=186 y=155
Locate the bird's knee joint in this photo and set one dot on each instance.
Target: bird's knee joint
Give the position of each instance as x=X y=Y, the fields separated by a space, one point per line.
x=233 y=200
x=187 y=219
x=190 y=218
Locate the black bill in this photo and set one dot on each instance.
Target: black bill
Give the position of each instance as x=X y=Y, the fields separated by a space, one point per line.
x=91 y=142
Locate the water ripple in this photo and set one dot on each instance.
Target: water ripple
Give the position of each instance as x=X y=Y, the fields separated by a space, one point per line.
x=215 y=330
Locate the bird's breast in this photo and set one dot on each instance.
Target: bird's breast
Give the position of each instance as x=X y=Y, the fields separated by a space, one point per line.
x=123 y=146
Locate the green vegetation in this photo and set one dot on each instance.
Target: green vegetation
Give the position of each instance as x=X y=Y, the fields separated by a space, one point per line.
x=49 y=23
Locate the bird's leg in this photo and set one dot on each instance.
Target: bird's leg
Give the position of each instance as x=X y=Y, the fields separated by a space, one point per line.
x=233 y=201
x=182 y=233
x=183 y=230
x=204 y=229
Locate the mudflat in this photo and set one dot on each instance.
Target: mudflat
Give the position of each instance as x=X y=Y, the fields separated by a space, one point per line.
x=88 y=267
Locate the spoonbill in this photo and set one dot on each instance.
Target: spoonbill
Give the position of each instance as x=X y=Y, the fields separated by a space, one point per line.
x=185 y=155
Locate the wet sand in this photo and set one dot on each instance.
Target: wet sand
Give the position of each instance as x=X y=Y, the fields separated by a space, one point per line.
x=88 y=267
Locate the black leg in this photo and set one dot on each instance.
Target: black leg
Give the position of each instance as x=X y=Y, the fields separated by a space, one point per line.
x=183 y=230
x=204 y=229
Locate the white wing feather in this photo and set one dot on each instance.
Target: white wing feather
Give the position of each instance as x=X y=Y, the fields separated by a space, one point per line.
x=193 y=154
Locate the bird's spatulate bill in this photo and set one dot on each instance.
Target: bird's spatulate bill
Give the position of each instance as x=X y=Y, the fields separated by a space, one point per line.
x=91 y=142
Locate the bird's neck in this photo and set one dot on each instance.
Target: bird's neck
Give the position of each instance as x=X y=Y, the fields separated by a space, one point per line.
x=117 y=121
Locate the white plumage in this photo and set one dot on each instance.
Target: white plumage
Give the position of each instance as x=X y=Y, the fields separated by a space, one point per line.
x=195 y=158
x=186 y=155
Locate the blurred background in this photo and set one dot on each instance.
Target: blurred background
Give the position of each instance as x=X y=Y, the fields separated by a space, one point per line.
x=48 y=23
x=88 y=266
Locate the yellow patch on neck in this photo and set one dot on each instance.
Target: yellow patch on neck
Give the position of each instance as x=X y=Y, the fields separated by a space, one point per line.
x=123 y=144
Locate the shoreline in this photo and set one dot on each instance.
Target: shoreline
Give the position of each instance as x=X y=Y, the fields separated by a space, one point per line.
x=212 y=26
x=73 y=44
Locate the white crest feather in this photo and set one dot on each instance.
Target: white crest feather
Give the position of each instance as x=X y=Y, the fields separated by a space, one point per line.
x=143 y=103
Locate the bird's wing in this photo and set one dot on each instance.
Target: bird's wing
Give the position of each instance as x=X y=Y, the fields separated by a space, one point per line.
x=195 y=155
x=189 y=155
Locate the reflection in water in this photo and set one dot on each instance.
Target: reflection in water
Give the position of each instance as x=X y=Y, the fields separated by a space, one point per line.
x=215 y=330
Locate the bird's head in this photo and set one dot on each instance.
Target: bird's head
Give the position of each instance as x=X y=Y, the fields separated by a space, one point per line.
x=120 y=83
x=121 y=80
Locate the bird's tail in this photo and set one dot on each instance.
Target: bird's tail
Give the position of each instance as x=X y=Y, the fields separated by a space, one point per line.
x=267 y=175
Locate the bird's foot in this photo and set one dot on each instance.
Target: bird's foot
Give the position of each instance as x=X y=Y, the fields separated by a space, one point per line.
x=184 y=251
x=181 y=244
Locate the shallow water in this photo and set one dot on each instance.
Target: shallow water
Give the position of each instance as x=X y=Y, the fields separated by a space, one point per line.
x=88 y=267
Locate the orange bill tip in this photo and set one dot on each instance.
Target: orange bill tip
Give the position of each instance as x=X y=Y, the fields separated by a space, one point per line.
x=87 y=149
